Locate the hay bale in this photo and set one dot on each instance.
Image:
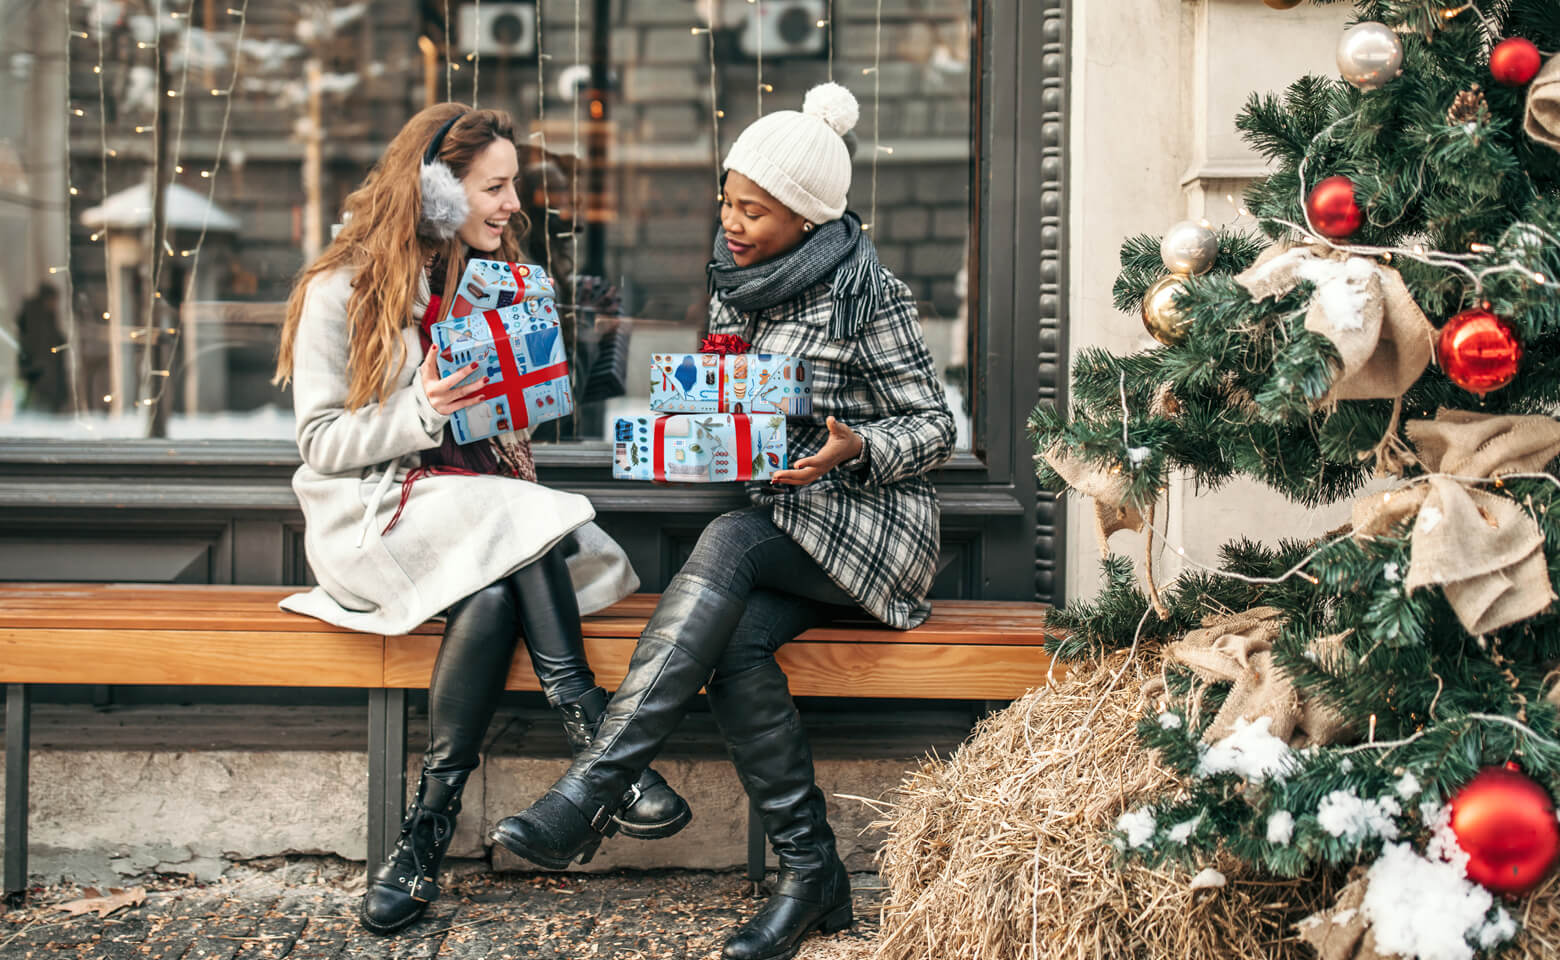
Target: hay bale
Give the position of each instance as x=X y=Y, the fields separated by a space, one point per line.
x=1001 y=852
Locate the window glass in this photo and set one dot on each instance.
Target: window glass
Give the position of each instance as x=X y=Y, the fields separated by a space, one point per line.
x=270 y=113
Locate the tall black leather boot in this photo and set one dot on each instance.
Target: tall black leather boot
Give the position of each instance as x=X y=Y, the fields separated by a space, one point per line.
x=400 y=889
x=468 y=679
x=767 y=744
x=652 y=810
x=680 y=645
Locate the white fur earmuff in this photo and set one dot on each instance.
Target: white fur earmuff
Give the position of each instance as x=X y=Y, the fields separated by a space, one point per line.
x=444 y=203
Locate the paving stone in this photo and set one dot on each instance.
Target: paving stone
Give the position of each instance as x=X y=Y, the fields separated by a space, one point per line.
x=306 y=911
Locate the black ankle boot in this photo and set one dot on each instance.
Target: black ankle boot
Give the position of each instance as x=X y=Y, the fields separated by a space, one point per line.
x=553 y=833
x=686 y=634
x=652 y=809
x=774 y=761
x=400 y=889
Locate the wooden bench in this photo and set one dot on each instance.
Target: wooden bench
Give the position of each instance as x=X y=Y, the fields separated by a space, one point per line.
x=217 y=635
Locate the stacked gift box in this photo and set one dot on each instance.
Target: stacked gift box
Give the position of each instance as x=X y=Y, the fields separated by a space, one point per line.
x=505 y=319
x=722 y=416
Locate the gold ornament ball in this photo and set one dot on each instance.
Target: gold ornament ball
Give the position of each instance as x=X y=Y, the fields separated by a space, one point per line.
x=1160 y=317
x=1188 y=248
x=1282 y=4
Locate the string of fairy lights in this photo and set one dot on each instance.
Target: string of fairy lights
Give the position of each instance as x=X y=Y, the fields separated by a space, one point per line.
x=154 y=336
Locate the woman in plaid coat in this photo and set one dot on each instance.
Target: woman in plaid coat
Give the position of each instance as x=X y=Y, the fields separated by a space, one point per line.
x=852 y=526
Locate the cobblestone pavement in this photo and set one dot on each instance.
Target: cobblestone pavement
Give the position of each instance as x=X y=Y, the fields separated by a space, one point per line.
x=304 y=909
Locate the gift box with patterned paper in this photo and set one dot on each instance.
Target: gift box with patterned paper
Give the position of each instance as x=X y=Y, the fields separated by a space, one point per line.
x=698 y=448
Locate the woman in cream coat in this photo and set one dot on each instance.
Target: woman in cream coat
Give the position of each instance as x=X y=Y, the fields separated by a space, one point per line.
x=401 y=523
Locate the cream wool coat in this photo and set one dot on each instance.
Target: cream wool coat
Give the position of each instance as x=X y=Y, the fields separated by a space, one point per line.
x=457 y=534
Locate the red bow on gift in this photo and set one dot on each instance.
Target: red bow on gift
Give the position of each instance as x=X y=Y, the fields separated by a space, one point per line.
x=725 y=344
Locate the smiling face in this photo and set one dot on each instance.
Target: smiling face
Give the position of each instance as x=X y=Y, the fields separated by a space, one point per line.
x=490 y=189
x=758 y=227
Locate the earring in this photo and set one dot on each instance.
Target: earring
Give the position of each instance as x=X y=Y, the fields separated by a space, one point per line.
x=807 y=228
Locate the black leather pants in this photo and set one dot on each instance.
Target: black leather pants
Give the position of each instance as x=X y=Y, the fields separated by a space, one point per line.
x=480 y=635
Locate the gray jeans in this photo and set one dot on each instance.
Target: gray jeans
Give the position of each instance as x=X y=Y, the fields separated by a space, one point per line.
x=745 y=555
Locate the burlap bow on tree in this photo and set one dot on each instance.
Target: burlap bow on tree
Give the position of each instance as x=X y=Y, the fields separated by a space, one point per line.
x=1365 y=310
x=1483 y=550
x=1238 y=648
x=1108 y=490
x=1542 y=121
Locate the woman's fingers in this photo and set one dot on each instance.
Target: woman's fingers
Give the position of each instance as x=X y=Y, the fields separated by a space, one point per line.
x=469 y=388
x=454 y=380
x=465 y=401
x=799 y=477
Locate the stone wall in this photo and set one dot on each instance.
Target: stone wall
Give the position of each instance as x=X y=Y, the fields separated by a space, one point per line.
x=1155 y=89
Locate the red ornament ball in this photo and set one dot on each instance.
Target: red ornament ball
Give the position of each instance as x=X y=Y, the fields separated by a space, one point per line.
x=1515 y=61
x=1331 y=207
x=1506 y=824
x=1479 y=351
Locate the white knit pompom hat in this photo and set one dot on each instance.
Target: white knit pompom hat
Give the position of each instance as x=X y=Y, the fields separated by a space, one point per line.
x=801 y=158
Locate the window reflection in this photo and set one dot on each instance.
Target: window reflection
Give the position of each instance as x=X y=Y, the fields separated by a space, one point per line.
x=278 y=110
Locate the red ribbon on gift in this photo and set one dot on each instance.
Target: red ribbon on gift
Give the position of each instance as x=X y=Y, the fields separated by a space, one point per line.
x=725 y=344
x=463 y=306
x=744 y=429
x=513 y=383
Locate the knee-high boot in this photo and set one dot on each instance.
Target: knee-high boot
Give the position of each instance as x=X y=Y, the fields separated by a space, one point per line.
x=480 y=635
x=680 y=645
x=764 y=735
x=550 y=616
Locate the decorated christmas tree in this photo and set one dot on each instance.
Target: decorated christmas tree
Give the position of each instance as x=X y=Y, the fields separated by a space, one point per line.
x=1381 y=706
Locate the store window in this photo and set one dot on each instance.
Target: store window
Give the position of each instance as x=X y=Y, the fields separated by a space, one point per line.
x=252 y=121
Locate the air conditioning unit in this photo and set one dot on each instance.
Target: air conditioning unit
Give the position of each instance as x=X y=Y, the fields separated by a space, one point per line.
x=788 y=28
x=496 y=30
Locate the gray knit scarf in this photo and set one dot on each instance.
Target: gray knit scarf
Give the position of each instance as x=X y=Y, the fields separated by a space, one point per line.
x=839 y=249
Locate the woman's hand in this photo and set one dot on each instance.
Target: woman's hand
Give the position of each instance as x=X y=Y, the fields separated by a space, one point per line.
x=444 y=394
x=843 y=444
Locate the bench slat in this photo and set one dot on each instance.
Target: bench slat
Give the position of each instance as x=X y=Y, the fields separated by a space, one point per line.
x=190 y=657
x=920 y=671
x=253 y=609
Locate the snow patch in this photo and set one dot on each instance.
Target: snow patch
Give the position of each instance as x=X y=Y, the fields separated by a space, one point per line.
x=1182 y=832
x=1138 y=825
x=1408 y=787
x=1280 y=827
x=1428 y=910
x=1250 y=751
x=1344 y=814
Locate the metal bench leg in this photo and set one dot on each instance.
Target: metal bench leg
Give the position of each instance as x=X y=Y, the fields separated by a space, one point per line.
x=18 y=734
x=386 y=771
x=757 y=847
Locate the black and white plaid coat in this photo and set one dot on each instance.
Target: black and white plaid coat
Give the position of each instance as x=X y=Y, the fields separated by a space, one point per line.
x=873 y=527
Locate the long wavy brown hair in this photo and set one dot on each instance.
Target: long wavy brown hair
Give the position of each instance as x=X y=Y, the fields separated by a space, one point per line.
x=379 y=242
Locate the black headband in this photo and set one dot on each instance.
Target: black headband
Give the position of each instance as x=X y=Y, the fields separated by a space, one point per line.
x=438 y=139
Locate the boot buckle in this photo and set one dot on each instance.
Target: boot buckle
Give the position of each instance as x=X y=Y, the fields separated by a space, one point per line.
x=631 y=796
x=601 y=820
x=419 y=885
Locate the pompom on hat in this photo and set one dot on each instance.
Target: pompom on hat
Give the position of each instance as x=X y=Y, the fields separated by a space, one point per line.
x=801 y=158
